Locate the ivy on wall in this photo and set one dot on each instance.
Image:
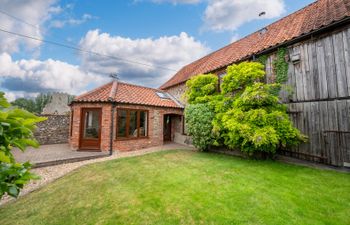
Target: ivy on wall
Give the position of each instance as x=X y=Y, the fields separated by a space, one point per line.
x=280 y=66
x=262 y=59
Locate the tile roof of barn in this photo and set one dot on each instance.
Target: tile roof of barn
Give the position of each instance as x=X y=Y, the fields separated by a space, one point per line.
x=306 y=20
x=121 y=92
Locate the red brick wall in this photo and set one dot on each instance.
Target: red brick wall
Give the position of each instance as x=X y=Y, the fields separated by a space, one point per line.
x=155 y=126
x=105 y=128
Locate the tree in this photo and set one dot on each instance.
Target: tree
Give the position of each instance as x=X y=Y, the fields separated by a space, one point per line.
x=26 y=104
x=16 y=130
x=41 y=101
x=35 y=105
x=248 y=113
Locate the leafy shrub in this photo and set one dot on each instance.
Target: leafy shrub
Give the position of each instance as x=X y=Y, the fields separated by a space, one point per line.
x=16 y=130
x=201 y=87
x=199 y=119
x=247 y=113
x=241 y=75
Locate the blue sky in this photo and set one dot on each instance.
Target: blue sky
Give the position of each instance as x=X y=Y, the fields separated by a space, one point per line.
x=165 y=33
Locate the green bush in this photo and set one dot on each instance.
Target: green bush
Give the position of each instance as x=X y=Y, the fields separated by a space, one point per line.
x=199 y=119
x=16 y=130
x=201 y=88
x=241 y=75
x=247 y=113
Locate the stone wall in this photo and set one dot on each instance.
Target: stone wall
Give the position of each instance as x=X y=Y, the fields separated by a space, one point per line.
x=178 y=91
x=54 y=130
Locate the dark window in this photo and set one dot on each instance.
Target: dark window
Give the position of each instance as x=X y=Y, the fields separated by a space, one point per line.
x=132 y=123
x=121 y=123
x=143 y=124
x=92 y=124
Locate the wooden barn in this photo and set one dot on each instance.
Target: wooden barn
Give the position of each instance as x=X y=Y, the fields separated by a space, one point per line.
x=316 y=44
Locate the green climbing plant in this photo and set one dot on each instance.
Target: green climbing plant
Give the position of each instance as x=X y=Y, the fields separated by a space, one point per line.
x=280 y=66
x=262 y=59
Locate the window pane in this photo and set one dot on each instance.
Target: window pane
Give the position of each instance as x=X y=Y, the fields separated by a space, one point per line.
x=133 y=124
x=92 y=124
x=121 y=123
x=143 y=123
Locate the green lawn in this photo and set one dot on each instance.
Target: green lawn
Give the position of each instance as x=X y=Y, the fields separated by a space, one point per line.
x=182 y=187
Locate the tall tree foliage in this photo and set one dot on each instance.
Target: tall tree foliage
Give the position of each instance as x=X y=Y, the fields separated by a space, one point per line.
x=16 y=130
x=248 y=114
x=35 y=105
x=201 y=88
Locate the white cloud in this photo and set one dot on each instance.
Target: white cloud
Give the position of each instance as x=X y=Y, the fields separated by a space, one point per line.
x=13 y=95
x=34 y=76
x=71 y=21
x=35 y=12
x=168 y=51
x=223 y=15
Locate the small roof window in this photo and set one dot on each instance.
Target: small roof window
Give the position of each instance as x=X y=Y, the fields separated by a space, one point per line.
x=163 y=95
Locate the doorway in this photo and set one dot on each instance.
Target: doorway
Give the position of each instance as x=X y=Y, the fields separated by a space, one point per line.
x=167 y=128
x=90 y=133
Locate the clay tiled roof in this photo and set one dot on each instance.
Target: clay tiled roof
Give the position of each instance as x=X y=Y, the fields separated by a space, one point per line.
x=313 y=17
x=121 y=92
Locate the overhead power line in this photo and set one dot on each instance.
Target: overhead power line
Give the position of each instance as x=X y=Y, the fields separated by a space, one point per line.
x=19 y=19
x=76 y=48
x=36 y=26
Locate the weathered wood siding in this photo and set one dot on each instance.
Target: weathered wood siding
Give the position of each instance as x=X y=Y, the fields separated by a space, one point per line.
x=320 y=103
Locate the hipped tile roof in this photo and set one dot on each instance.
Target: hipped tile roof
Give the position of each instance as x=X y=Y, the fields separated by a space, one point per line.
x=121 y=92
x=310 y=18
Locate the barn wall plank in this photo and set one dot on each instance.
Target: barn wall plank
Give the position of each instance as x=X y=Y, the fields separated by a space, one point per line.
x=322 y=75
x=346 y=42
x=330 y=68
x=324 y=125
x=338 y=44
x=314 y=70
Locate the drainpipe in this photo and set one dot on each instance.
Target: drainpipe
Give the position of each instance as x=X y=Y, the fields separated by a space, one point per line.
x=112 y=128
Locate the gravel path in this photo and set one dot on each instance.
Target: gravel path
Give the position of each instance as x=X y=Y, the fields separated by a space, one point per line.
x=49 y=174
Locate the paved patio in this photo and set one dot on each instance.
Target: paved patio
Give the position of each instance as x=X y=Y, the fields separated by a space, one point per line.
x=54 y=154
x=49 y=155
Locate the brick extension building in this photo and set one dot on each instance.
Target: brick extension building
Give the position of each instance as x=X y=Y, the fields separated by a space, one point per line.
x=142 y=117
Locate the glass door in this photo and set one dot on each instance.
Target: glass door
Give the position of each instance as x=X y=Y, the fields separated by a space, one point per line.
x=90 y=135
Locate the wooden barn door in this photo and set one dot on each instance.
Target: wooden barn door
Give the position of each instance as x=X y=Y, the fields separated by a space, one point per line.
x=90 y=133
